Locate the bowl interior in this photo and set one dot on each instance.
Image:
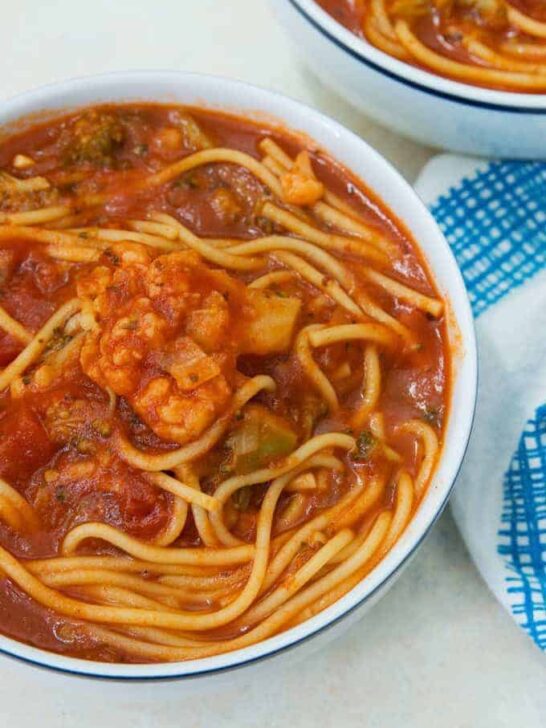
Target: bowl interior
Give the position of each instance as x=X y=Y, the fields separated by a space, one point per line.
x=367 y=164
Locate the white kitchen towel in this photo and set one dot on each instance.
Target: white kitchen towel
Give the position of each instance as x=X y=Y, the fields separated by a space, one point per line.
x=494 y=217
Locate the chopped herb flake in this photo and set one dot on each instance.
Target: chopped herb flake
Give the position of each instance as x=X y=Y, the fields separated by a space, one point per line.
x=60 y=495
x=365 y=445
x=431 y=416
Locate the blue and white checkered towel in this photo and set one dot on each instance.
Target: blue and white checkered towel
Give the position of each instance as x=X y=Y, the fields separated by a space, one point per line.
x=494 y=217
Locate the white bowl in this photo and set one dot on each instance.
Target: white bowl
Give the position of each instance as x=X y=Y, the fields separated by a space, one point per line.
x=423 y=106
x=344 y=146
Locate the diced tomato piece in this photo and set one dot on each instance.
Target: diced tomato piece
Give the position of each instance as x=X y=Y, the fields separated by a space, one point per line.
x=9 y=348
x=24 y=444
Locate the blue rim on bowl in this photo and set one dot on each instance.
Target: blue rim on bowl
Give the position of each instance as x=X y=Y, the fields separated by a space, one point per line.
x=379 y=175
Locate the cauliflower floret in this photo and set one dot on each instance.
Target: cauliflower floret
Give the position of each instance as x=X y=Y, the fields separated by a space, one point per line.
x=125 y=265
x=166 y=335
x=111 y=356
x=180 y=406
x=179 y=416
x=94 y=283
x=299 y=184
x=160 y=338
x=168 y=283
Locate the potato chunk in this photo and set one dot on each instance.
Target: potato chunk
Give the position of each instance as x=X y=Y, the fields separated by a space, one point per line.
x=271 y=328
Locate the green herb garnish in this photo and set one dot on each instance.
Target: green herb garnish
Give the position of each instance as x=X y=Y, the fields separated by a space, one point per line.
x=431 y=416
x=112 y=257
x=365 y=444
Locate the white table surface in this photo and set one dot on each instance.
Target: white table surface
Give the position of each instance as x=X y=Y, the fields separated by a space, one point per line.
x=437 y=651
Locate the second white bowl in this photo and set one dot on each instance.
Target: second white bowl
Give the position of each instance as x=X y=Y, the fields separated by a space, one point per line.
x=427 y=108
